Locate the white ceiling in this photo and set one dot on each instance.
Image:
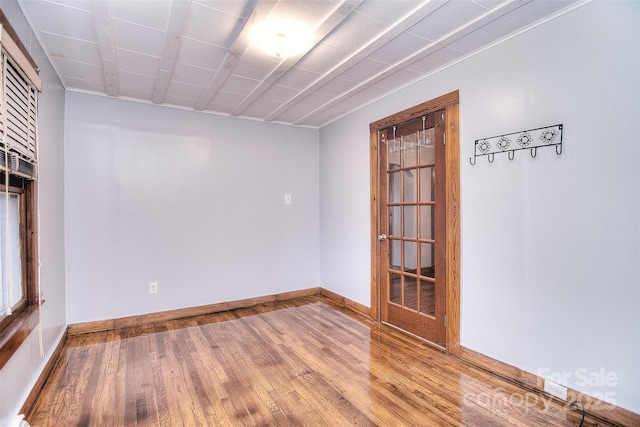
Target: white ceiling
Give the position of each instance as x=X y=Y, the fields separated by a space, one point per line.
x=199 y=54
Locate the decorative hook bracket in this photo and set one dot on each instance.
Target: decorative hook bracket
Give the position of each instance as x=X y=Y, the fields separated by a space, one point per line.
x=532 y=139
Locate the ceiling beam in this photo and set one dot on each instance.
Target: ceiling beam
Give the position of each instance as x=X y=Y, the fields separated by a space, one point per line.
x=443 y=41
x=242 y=35
x=175 y=29
x=414 y=16
x=333 y=20
x=102 y=24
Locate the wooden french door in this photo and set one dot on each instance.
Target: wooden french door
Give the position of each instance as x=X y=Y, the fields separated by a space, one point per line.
x=413 y=226
x=412 y=218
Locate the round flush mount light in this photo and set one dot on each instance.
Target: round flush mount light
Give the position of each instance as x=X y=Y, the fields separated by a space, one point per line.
x=277 y=45
x=281 y=40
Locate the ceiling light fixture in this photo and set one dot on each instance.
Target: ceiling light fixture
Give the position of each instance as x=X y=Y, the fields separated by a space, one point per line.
x=281 y=40
x=279 y=45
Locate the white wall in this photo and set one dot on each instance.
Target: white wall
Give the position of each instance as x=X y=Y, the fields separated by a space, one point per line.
x=190 y=200
x=22 y=370
x=550 y=246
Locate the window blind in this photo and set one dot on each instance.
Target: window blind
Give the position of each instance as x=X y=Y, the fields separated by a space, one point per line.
x=18 y=110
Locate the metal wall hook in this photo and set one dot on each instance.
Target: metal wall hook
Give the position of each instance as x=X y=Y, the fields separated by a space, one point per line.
x=531 y=140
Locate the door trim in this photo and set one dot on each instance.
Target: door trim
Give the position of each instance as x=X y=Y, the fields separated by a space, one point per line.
x=449 y=102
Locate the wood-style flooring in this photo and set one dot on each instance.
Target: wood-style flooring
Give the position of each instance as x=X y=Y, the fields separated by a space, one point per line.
x=305 y=362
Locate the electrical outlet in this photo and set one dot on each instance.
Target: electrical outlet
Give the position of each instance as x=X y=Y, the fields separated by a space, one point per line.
x=555 y=389
x=153 y=288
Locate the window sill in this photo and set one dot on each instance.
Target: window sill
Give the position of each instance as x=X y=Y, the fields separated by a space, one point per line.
x=12 y=337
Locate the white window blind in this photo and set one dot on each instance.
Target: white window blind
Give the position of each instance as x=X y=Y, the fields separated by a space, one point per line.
x=18 y=111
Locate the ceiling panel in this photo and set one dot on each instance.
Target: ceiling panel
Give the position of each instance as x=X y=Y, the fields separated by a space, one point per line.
x=261 y=107
x=202 y=54
x=436 y=60
x=189 y=73
x=322 y=59
x=490 y=4
x=130 y=92
x=535 y=10
x=199 y=54
x=298 y=78
x=292 y=115
x=403 y=46
x=319 y=120
x=356 y=33
x=62 y=20
x=137 y=63
x=364 y=70
x=446 y=19
x=97 y=87
x=148 y=13
x=388 y=11
x=253 y=67
x=225 y=102
x=185 y=90
x=72 y=49
x=495 y=30
x=237 y=8
x=85 y=5
x=80 y=71
x=200 y=27
x=139 y=82
x=364 y=95
x=314 y=100
x=398 y=79
x=179 y=101
x=305 y=13
x=279 y=93
x=240 y=85
x=137 y=38
x=335 y=88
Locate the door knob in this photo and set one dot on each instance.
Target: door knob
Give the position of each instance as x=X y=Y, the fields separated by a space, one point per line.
x=382 y=237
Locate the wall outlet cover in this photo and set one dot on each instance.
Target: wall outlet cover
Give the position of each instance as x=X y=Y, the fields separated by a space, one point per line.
x=555 y=389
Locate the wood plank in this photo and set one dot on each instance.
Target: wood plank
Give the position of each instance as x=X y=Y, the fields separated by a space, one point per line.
x=434 y=105
x=597 y=408
x=374 y=206
x=346 y=302
x=183 y=313
x=12 y=33
x=453 y=233
x=16 y=332
x=308 y=361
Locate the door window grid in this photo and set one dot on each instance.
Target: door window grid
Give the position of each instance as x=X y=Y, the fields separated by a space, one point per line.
x=415 y=248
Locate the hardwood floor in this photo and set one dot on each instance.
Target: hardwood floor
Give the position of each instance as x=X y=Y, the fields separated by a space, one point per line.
x=295 y=363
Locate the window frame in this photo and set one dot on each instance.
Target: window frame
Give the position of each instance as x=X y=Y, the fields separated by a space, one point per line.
x=15 y=328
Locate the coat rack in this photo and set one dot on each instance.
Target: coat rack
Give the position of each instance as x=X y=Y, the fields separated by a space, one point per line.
x=532 y=139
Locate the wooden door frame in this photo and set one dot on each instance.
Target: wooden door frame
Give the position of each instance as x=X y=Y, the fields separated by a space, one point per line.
x=450 y=103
